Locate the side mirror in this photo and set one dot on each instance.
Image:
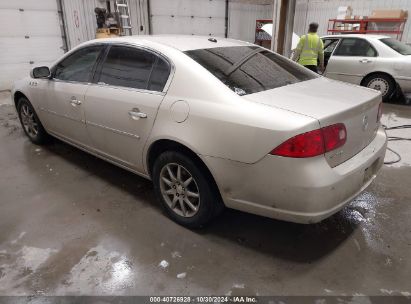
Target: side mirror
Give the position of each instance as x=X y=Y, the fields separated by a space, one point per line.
x=40 y=72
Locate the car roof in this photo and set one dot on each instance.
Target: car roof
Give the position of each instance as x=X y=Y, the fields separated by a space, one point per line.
x=179 y=42
x=365 y=36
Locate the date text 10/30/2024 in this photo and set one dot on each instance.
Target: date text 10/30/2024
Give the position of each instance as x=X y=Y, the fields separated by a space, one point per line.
x=205 y=299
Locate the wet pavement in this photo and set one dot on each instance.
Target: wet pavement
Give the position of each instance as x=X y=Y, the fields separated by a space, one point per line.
x=72 y=224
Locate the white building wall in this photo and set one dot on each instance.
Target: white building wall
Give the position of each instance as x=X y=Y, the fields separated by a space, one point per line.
x=190 y=17
x=30 y=36
x=322 y=10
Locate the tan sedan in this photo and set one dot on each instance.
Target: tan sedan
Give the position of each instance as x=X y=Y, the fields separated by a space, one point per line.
x=213 y=123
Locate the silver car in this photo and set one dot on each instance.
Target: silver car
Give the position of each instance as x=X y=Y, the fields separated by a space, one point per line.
x=374 y=61
x=213 y=123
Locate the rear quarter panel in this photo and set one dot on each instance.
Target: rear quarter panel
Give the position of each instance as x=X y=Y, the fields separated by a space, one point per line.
x=220 y=123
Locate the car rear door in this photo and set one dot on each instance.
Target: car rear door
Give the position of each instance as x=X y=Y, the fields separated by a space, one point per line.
x=122 y=103
x=351 y=61
x=63 y=94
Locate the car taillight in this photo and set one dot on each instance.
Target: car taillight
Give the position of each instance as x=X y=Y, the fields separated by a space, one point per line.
x=334 y=136
x=313 y=143
x=379 y=112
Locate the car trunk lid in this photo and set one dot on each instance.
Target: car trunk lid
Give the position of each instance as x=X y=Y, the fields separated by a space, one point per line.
x=330 y=102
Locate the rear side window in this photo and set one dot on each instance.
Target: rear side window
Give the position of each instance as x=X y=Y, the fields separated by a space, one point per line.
x=355 y=47
x=79 y=65
x=397 y=46
x=159 y=75
x=127 y=67
x=249 y=69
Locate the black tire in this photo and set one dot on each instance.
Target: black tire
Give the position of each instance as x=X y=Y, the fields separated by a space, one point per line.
x=209 y=200
x=381 y=82
x=31 y=123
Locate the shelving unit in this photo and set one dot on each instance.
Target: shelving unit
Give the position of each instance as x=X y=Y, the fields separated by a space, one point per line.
x=390 y=26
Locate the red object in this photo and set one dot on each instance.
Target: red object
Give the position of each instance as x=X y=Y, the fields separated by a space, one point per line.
x=335 y=136
x=364 y=26
x=262 y=37
x=313 y=143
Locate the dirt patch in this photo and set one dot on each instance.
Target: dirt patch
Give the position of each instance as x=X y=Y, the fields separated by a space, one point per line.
x=9 y=119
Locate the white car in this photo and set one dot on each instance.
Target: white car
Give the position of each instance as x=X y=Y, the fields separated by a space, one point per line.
x=374 y=61
x=213 y=123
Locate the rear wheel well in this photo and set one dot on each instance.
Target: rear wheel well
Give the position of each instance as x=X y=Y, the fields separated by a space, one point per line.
x=17 y=96
x=163 y=145
x=377 y=73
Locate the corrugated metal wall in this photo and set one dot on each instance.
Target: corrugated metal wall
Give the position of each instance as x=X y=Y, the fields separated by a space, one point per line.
x=322 y=10
x=242 y=16
x=200 y=17
x=139 y=16
x=81 y=24
x=80 y=20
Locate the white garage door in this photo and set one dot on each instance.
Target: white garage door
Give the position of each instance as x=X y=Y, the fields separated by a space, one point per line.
x=30 y=36
x=192 y=17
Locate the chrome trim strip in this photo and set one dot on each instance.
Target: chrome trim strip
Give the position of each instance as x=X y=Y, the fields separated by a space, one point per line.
x=406 y=78
x=63 y=115
x=345 y=74
x=70 y=81
x=127 y=89
x=112 y=130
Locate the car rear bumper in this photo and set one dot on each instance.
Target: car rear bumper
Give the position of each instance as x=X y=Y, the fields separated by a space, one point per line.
x=303 y=190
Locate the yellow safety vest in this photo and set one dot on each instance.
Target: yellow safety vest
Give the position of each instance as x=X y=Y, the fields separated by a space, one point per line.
x=310 y=46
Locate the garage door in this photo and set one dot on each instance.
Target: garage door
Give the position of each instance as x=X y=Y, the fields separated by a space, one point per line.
x=29 y=36
x=192 y=17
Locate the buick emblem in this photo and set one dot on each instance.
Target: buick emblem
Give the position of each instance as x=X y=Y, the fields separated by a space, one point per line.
x=365 y=122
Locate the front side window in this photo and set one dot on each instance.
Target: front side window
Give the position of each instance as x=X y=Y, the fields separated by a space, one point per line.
x=249 y=69
x=355 y=47
x=127 y=67
x=397 y=46
x=79 y=65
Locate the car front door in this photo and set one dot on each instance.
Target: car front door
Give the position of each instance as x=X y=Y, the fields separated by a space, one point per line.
x=329 y=47
x=64 y=94
x=352 y=60
x=122 y=104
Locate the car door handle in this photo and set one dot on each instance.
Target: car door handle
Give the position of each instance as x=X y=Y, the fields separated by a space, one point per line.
x=136 y=114
x=365 y=61
x=74 y=101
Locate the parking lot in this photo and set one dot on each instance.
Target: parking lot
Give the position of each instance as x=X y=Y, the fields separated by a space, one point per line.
x=73 y=224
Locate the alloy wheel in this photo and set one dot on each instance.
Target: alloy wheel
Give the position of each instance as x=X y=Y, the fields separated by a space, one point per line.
x=180 y=190
x=29 y=121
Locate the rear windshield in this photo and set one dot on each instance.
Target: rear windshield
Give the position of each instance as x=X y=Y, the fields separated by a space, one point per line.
x=397 y=46
x=250 y=69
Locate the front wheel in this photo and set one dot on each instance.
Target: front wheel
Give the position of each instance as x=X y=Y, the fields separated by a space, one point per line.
x=31 y=123
x=185 y=190
x=382 y=83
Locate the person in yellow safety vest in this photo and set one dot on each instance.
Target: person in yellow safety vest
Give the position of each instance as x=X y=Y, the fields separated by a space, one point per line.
x=310 y=49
